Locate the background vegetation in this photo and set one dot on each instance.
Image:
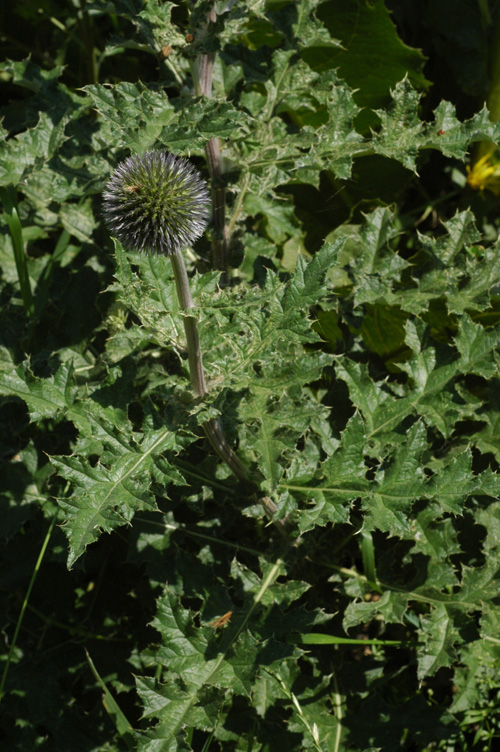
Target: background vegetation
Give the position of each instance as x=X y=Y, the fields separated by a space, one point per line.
x=351 y=347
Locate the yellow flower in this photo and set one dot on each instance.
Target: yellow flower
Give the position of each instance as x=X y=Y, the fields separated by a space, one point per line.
x=485 y=173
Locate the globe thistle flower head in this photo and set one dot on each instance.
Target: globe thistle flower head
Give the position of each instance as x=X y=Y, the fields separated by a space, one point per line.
x=156 y=202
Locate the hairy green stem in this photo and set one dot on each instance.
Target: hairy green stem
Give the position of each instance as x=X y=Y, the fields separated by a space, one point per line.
x=212 y=429
x=190 y=325
x=202 y=71
x=220 y=241
x=204 y=66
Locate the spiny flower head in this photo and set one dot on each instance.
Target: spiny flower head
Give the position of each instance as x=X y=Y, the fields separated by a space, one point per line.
x=156 y=202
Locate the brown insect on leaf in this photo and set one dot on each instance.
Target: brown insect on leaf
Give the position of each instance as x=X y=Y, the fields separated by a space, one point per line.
x=189 y=38
x=132 y=188
x=166 y=50
x=221 y=621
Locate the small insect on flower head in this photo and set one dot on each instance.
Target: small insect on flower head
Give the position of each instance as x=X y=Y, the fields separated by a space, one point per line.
x=156 y=202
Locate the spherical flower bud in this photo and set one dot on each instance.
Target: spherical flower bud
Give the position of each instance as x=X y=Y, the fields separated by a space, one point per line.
x=156 y=202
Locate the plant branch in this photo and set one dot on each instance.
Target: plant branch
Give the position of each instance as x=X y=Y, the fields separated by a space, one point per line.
x=190 y=325
x=202 y=71
x=220 y=240
x=212 y=429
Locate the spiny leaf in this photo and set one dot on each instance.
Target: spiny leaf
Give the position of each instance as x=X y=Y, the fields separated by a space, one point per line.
x=202 y=666
x=108 y=494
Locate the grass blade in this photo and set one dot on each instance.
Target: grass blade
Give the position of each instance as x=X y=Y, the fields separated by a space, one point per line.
x=114 y=711
x=25 y=604
x=9 y=200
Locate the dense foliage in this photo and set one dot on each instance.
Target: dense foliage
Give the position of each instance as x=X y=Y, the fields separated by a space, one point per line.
x=344 y=596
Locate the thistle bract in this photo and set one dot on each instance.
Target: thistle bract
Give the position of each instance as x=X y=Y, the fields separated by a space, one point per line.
x=156 y=202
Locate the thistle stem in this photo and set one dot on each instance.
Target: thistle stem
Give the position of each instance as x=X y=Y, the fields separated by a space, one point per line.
x=212 y=429
x=202 y=71
x=190 y=325
x=220 y=244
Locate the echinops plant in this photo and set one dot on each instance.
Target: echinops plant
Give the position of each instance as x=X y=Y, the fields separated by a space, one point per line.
x=158 y=203
x=350 y=330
